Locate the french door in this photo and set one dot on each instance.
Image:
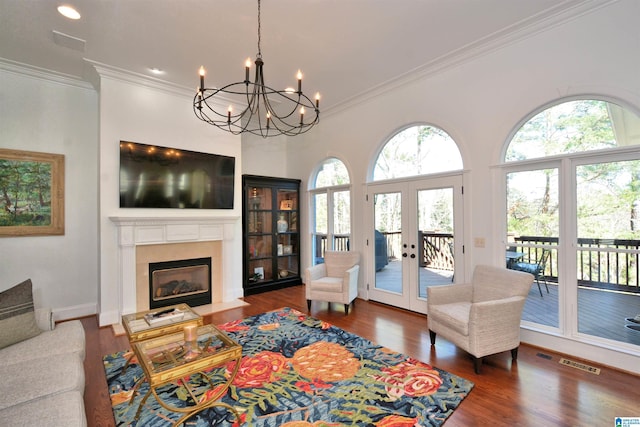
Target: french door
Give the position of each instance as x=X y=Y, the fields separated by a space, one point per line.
x=413 y=239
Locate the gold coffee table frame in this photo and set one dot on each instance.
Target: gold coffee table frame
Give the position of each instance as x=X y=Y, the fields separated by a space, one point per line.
x=163 y=361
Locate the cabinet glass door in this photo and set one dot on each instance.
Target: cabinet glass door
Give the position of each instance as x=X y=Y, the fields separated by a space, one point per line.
x=287 y=233
x=259 y=237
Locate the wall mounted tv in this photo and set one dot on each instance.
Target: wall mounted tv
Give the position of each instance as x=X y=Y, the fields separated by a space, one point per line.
x=161 y=177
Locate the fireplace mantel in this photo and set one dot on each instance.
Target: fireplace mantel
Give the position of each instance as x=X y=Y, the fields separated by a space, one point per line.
x=152 y=230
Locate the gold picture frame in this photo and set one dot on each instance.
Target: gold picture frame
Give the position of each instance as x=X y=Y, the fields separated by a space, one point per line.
x=32 y=185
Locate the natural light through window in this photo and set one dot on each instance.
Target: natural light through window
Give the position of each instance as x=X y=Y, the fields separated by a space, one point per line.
x=418 y=150
x=573 y=127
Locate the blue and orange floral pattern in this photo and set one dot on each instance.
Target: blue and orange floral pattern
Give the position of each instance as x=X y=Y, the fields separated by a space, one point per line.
x=298 y=371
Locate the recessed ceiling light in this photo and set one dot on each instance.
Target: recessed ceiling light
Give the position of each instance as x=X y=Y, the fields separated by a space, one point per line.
x=68 y=11
x=156 y=71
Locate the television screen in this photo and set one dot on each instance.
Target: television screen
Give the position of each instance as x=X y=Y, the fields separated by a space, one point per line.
x=161 y=177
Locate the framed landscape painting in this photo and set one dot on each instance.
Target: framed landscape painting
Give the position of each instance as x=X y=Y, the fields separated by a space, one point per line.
x=31 y=193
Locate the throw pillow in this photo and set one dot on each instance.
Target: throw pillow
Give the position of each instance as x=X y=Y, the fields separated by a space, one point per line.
x=17 y=315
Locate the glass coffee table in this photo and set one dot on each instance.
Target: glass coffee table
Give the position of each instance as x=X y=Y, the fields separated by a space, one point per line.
x=170 y=359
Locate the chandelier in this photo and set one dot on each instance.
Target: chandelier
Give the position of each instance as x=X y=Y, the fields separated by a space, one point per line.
x=268 y=112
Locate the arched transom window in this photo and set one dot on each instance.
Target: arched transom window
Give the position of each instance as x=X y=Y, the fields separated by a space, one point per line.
x=417 y=150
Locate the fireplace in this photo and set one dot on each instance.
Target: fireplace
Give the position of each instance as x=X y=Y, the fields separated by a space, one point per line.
x=182 y=281
x=143 y=240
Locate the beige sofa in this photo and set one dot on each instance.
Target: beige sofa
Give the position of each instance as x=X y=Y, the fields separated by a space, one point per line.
x=43 y=377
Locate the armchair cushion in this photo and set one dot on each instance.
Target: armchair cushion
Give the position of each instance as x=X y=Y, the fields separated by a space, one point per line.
x=328 y=284
x=456 y=315
x=338 y=262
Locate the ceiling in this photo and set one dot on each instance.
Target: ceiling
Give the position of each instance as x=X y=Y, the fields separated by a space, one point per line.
x=345 y=48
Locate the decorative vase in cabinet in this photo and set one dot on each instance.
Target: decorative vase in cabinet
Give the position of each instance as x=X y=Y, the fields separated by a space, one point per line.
x=282 y=224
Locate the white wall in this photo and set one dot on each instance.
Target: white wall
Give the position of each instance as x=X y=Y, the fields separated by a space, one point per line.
x=140 y=110
x=479 y=103
x=55 y=116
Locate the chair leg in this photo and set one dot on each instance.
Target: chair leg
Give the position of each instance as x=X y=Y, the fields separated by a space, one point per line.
x=346 y=309
x=477 y=364
x=539 y=289
x=514 y=353
x=309 y=305
x=432 y=337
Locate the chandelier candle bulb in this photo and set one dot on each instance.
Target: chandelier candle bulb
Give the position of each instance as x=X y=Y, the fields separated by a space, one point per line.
x=301 y=115
x=268 y=119
x=317 y=100
x=202 y=79
x=229 y=114
x=299 y=81
x=247 y=65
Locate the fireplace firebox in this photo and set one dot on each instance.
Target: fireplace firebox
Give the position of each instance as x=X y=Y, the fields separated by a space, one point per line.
x=182 y=281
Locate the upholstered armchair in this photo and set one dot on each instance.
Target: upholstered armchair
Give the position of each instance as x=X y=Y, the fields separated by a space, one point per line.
x=481 y=317
x=336 y=280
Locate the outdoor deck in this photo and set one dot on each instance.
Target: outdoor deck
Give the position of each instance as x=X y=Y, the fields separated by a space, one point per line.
x=601 y=313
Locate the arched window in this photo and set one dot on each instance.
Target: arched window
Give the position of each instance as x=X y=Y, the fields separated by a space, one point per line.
x=331 y=208
x=572 y=180
x=573 y=127
x=417 y=150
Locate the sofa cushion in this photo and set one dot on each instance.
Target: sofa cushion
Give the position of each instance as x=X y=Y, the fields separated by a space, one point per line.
x=34 y=379
x=64 y=409
x=67 y=338
x=17 y=317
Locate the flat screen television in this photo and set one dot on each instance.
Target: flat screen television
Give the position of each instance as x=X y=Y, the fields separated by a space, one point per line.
x=161 y=177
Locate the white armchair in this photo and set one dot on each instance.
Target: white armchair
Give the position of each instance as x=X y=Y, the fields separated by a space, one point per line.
x=481 y=317
x=334 y=281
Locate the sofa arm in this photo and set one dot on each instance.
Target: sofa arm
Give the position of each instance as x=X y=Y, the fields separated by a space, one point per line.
x=448 y=294
x=44 y=319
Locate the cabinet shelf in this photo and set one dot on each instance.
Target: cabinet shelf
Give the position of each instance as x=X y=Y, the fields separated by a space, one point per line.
x=271 y=239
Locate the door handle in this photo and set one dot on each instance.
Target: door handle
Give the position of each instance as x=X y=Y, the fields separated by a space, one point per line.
x=404 y=255
x=413 y=255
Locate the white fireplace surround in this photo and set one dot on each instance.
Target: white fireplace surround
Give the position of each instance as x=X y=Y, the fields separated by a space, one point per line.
x=135 y=231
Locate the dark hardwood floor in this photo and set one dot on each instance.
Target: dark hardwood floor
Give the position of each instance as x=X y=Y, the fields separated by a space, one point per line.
x=535 y=390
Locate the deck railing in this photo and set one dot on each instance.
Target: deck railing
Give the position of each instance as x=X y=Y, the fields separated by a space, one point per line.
x=612 y=264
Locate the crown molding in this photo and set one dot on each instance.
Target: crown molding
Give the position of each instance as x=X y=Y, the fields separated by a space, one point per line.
x=122 y=75
x=562 y=13
x=43 y=74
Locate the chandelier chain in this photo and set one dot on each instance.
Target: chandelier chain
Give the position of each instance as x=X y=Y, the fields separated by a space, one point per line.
x=259 y=32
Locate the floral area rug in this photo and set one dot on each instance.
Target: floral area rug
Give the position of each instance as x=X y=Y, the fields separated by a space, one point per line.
x=299 y=371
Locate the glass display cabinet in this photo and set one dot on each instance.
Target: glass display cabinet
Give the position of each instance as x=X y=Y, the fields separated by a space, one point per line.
x=271 y=238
